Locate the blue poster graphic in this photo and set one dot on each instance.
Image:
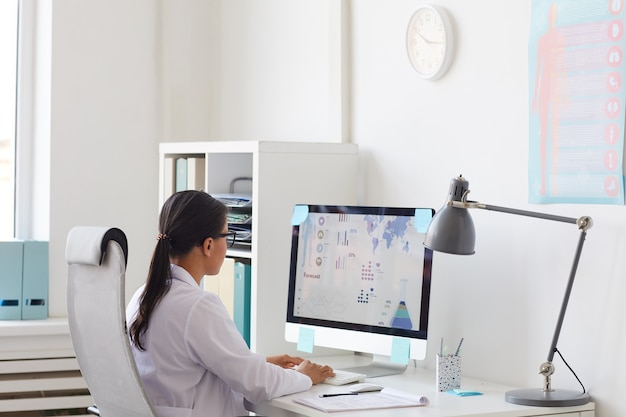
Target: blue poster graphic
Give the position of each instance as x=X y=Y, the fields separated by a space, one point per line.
x=576 y=102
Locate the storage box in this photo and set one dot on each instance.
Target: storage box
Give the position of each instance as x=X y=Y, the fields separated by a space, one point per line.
x=11 y=255
x=35 y=281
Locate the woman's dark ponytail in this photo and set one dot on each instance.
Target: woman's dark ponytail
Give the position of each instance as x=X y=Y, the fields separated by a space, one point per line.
x=186 y=219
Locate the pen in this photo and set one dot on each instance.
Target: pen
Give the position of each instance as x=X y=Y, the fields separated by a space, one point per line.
x=458 y=349
x=337 y=395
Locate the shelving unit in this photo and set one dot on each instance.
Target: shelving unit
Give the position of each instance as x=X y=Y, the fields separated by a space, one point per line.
x=283 y=174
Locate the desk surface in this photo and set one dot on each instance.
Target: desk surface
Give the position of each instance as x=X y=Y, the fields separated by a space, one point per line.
x=419 y=381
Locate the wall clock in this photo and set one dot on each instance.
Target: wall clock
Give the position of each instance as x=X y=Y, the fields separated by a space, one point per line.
x=430 y=41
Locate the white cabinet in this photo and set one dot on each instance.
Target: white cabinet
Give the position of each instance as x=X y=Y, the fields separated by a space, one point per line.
x=39 y=373
x=283 y=174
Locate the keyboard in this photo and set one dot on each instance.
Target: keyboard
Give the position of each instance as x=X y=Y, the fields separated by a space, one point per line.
x=344 y=377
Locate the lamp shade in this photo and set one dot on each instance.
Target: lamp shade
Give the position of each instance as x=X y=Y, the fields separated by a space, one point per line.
x=452 y=229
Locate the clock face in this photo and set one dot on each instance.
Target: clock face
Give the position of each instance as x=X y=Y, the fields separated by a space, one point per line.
x=429 y=41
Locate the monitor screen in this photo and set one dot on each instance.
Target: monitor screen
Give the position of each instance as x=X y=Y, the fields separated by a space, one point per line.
x=360 y=278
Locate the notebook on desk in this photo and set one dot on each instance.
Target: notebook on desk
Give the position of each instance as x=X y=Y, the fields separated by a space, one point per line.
x=387 y=398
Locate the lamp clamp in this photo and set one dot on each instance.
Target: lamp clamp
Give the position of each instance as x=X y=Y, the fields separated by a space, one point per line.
x=546 y=369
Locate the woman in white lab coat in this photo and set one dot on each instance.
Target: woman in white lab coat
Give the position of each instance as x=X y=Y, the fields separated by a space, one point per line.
x=191 y=358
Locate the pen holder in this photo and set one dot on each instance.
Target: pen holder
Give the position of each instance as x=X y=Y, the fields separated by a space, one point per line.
x=448 y=372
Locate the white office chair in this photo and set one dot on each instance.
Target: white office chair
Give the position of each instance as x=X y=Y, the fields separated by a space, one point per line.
x=96 y=258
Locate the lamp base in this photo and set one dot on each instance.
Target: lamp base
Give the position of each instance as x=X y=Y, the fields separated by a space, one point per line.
x=539 y=398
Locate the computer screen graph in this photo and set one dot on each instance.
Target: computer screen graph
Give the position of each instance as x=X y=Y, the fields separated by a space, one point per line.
x=360 y=277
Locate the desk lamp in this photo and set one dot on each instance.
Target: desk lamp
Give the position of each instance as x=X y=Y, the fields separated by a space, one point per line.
x=452 y=231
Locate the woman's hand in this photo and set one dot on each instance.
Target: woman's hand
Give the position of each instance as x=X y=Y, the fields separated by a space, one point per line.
x=285 y=361
x=317 y=373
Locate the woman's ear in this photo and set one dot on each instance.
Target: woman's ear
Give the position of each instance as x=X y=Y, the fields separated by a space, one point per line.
x=206 y=245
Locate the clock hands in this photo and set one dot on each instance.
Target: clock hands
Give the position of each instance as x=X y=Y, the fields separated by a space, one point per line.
x=428 y=41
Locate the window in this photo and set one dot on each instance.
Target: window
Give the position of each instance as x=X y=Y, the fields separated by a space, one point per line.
x=8 y=83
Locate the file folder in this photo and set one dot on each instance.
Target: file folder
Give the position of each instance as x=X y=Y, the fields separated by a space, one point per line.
x=241 y=310
x=11 y=280
x=35 y=281
x=226 y=286
x=180 y=182
x=232 y=285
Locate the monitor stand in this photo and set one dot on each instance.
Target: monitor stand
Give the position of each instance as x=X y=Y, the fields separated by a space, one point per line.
x=379 y=366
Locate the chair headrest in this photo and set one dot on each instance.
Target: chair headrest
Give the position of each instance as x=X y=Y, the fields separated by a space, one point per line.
x=87 y=244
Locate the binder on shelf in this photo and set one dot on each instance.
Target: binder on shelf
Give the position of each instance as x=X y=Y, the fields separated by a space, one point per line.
x=227 y=285
x=35 y=281
x=195 y=174
x=181 y=174
x=223 y=284
x=11 y=255
x=241 y=313
x=169 y=176
x=232 y=285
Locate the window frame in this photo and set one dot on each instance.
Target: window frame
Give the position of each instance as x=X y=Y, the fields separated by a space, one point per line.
x=12 y=113
x=32 y=139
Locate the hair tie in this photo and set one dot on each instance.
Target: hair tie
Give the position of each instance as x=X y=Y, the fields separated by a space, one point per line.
x=163 y=236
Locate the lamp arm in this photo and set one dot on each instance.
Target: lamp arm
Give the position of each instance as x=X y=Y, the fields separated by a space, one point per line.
x=568 y=290
x=583 y=222
x=526 y=213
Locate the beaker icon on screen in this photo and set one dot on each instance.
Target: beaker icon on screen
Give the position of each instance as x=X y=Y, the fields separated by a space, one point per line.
x=401 y=319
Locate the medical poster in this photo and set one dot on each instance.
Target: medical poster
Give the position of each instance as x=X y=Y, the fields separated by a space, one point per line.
x=576 y=101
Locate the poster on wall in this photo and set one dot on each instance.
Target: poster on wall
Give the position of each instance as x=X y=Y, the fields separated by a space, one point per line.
x=577 y=101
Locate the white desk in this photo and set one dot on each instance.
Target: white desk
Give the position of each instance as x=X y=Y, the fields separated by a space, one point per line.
x=421 y=382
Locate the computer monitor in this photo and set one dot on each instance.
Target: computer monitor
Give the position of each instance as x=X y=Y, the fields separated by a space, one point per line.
x=359 y=280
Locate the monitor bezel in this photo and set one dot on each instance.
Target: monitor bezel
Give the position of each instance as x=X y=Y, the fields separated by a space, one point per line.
x=421 y=333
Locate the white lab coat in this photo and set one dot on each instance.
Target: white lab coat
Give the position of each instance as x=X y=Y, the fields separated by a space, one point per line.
x=196 y=363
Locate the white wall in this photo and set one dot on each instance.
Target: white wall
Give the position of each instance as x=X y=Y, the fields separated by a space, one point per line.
x=104 y=129
x=274 y=70
x=278 y=60
x=415 y=135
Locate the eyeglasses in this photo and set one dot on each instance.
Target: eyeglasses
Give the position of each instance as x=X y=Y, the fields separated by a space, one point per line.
x=230 y=237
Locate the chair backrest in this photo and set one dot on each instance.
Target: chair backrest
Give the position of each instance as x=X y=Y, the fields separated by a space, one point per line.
x=96 y=258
